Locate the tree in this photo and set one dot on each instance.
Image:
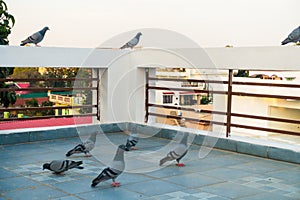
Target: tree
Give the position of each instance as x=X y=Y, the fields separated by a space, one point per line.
x=28 y=73
x=242 y=73
x=6 y=97
x=7 y=21
x=52 y=72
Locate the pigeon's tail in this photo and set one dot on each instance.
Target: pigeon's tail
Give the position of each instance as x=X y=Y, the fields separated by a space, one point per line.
x=80 y=148
x=124 y=46
x=76 y=164
x=130 y=143
x=22 y=44
x=165 y=159
x=287 y=40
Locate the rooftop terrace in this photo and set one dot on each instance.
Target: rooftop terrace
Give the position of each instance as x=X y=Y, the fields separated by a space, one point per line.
x=210 y=173
x=220 y=175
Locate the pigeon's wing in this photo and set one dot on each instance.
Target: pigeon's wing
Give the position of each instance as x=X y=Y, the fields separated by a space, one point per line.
x=177 y=153
x=59 y=166
x=75 y=164
x=80 y=148
x=294 y=36
x=34 y=38
x=131 y=141
x=89 y=145
x=106 y=174
x=124 y=46
x=131 y=43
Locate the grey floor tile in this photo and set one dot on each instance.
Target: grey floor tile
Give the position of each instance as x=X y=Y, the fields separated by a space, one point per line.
x=16 y=183
x=193 y=180
x=230 y=190
x=266 y=195
x=167 y=172
x=153 y=187
x=117 y=193
x=76 y=186
x=289 y=176
x=6 y=173
x=38 y=193
x=226 y=174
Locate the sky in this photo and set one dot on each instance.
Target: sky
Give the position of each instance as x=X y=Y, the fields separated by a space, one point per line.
x=210 y=23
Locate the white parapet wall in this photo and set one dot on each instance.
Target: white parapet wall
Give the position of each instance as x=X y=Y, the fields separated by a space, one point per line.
x=123 y=71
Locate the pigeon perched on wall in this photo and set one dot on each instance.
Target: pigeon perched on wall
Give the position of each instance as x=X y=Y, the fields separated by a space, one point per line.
x=133 y=42
x=84 y=147
x=36 y=37
x=116 y=168
x=132 y=140
x=59 y=166
x=178 y=153
x=294 y=36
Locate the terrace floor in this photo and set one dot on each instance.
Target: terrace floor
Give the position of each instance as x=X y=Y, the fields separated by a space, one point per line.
x=219 y=175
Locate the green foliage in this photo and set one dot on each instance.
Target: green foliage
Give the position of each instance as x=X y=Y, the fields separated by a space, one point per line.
x=47 y=112
x=242 y=73
x=7 y=21
x=86 y=101
x=28 y=73
x=32 y=103
x=204 y=100
x=6 y=97
x=52 y=72
x=87 y=94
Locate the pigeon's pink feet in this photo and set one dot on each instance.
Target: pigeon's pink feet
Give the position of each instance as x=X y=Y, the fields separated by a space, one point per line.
x=180 y=165
x=37 y=45
x=115 y=184
x=134 y=148
x=88 y=155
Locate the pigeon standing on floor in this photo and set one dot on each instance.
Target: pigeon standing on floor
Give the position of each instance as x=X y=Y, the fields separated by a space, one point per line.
x=133 y=42
x=59 y=166
x=36 y=37
x=84 y=147
x=294 y=36
x=116 y=168
x=132 y=140
x=178 y=153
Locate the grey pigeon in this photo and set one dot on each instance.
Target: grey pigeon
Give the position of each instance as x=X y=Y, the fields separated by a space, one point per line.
x=84 y=147
x=294 y=36
x=36 y=37
x=59 y=166
x=116 y=168
x=178 y=153
x=132 y=140
x=133 y=42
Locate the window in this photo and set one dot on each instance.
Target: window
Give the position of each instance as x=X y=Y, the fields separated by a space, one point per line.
x=167 y=98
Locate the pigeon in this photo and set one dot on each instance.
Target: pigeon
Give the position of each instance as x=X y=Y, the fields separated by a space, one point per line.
x=84 y=147
x=132 y=140
x=133 y=42
x=59 y=166
x=178 y=153
x=36 y=37
x=112 y=172
x=294 y=36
